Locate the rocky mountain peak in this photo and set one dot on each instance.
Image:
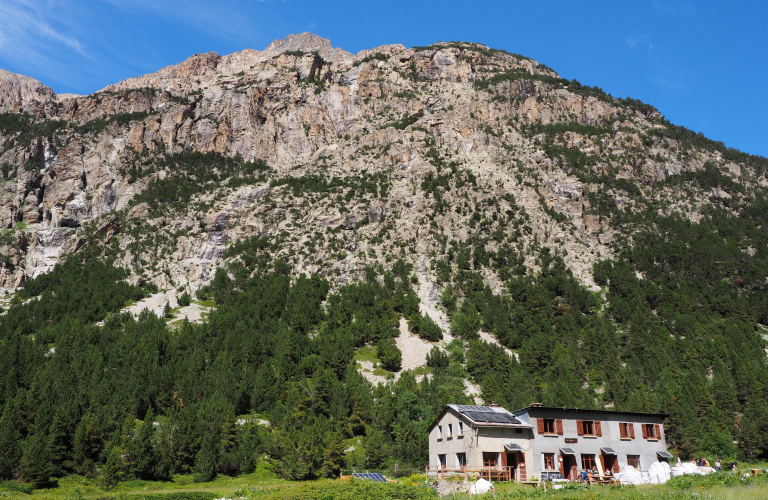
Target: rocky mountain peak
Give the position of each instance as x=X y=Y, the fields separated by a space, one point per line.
x=306 y=42
x=18 y=90
x=309 y=42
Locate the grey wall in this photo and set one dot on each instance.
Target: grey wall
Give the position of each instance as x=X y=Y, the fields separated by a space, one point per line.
x=591 y=445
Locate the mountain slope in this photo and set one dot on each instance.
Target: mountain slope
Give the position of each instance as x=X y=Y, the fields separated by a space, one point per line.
x=619 y=259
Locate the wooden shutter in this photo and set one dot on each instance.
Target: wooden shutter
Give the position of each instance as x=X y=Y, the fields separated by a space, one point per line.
x=503 y=459
x=657 y=430
x=598 y=429
x=645 y=431
x=631 y=431
x=616 y=469
x=561 y=464
x=623 y=430
x=540 y=425
x=580 y=427
x=559 y=424
x=602 y=462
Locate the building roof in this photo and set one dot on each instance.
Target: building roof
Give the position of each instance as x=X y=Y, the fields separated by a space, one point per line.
x=496 y=416
x=483 y=416
x=527 y=409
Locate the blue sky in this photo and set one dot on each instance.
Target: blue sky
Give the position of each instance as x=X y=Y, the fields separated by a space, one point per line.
x=703 y=64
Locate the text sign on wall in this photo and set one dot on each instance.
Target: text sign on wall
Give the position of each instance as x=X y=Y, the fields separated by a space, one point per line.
x=571 y=440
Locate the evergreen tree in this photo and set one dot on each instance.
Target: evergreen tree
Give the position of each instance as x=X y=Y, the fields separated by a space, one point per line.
x=376 y=449
x=36 y=463
x=143 y=460
x=112 y=472
x=207 y=459
x=10 y=447
x=333 y=456
x=752 y=433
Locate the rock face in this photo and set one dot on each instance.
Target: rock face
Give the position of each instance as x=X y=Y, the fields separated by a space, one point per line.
x=19 y=91
x=392 y=151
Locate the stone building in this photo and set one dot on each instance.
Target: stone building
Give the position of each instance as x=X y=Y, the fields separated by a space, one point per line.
x=537 y=441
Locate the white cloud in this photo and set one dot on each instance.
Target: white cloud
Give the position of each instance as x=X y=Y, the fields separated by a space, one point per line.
x=32 y=33
x=634 y=41
x=214 y=17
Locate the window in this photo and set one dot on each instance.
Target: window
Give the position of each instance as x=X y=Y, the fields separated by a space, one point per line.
x=439 y=432
x=624 y=430
x=461 y=428
x=450 y=430
x=651 y=431
x=441 y=460
x=588 y=428
x=461 y=459
x=490 y=459
x=549 y=426
x=549 y=461
x=591 y=428
x=634 y=461
x=587 y=462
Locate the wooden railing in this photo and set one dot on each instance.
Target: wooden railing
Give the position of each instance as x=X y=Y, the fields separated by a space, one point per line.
x=493 y=473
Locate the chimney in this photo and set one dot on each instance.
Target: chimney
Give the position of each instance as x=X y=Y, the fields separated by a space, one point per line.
x=535 y=405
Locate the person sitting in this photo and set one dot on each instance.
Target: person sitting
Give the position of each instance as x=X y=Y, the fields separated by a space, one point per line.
x=718 y=465
x=583 y=476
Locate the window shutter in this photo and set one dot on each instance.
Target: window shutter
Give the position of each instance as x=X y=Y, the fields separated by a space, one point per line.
x=616 y=469
x=580 y=427
x=559 y=423
x=631 y=431
x=561 y=464
x=598 y=429
x=602 y=462
x=503 y=459
x=623 y=430
x=657 y=430
x=540 y=425
x=645 y=431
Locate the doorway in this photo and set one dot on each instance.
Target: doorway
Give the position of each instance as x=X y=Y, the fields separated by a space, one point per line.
x=569 y=467
x=516 y=463
x=609 y=463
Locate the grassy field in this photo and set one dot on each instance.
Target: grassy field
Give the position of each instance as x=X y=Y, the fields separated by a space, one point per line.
x=264 y=485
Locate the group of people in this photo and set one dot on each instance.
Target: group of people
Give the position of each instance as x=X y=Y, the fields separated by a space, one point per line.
x=586 y=474
x=703 y=462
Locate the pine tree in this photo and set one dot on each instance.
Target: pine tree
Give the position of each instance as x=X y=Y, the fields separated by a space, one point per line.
x=10 y=449
x=206 y=460
x=333 y=456
x=753 y=432
x=112 y=472
x=376 y=448
x=143 y=461
x=36 y=464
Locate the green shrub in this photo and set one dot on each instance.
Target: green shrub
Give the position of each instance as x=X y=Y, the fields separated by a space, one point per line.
x=14 y=486
x=429 y=330
x=390 y=355
x=437 y=358
x=729 y=479
x=184 y=300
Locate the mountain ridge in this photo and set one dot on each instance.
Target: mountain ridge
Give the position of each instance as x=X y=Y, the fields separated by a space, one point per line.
x=303 y=218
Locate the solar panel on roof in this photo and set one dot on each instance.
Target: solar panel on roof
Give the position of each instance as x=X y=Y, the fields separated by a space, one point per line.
x=492 y=417
x=466 y=408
